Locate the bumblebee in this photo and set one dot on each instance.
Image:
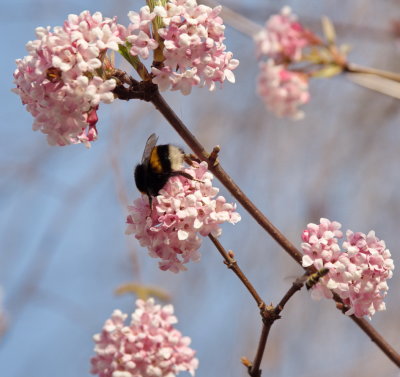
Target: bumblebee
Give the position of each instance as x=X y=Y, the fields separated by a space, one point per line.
x=159 y=163
x=313 y=279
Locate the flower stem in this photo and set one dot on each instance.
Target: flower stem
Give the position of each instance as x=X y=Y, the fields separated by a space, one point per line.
x=354 y=68
x=230 y=261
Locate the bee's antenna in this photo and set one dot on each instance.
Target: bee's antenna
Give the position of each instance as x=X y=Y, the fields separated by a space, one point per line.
x=184 y=174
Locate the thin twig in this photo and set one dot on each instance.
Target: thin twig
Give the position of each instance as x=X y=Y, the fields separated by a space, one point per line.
x=254 y=370
x=269 y=313
x=230 y=261
x=379 y=84
x=354 y=68
x=296 y=286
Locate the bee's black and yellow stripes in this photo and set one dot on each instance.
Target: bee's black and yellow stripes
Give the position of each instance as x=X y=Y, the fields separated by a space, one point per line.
x=159 y=159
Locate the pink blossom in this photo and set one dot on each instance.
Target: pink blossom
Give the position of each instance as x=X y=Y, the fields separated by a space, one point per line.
x=142 y=44
x=149 y=346
x=58 y=81
x=139 y=33
x=357 y=271
x=142 y=20
x=283 y=38
x=182 y=211
x=282 y=90
x=194 y=52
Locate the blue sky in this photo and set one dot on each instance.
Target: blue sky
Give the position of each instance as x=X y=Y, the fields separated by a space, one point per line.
x=63 y=250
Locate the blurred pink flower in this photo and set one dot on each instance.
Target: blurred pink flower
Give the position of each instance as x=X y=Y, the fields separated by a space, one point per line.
x=58 y=81
x=182 y=211
x=149 y=346
x=283 y=38
x=282 y=90
x=357 y=273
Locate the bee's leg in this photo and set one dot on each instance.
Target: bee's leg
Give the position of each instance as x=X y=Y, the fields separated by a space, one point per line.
x=189 y=158
x=151 y=204
x=184 y=174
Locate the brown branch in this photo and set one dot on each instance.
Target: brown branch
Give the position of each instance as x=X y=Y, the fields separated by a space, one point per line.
x=159 y=102
x=375 y=337
x=153 y=95
x=354 y=68
x=254 y=369
x=270 y=315
x=267 y=313
x=230 y=261
x=296 y=286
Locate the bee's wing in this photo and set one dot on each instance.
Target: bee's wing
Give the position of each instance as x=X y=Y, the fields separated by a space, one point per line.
x=150 y=144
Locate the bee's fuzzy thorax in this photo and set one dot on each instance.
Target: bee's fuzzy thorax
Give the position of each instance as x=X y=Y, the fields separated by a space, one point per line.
x=176 y=156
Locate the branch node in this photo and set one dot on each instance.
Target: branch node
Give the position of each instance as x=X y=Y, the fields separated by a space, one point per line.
x=213 y=156
x=262 y=306
x=149 y=90
x=246 y=362
x=231 y=264
x=341 y=307
x=269 y=314
x=143 y=90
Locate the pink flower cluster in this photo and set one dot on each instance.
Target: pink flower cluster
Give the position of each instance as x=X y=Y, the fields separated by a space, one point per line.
x=67 y=73
x=193 y=48
x=282 y=91
x=182 y=211
x=283 y=38
x=357 y=272
x=59 y=80
x=149 y=346
x=282 y=41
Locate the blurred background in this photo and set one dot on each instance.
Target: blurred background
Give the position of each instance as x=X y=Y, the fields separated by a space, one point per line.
x=63 y=250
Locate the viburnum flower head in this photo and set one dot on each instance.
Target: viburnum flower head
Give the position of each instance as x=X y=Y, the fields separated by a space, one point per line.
x=61 y=80
x=283 y=91
x=283 y=38
x=358 y=270
x=149 y=346
x=192 y=38
x=184 y=210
